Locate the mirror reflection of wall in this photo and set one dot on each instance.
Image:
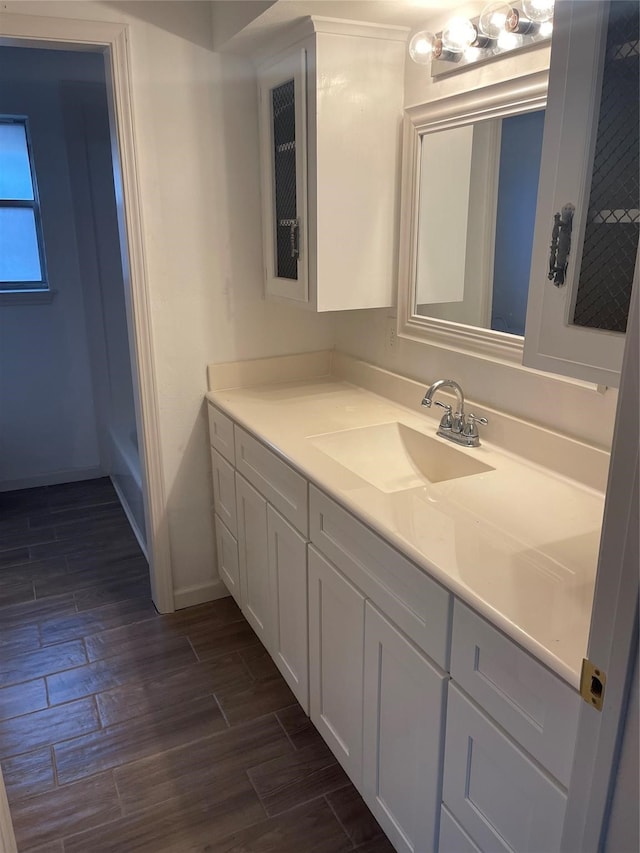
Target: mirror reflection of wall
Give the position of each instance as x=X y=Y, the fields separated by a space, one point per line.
x=477 y=203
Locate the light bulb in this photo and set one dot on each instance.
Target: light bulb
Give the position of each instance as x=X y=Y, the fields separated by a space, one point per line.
x=509 y=41
x=459 y=35
x=421 y=47
x=546 y=29
x=539 y=11
x=493 y=17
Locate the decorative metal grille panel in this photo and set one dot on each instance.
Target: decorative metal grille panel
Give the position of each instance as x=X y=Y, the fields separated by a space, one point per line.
x=284 y=166
x=613 y=219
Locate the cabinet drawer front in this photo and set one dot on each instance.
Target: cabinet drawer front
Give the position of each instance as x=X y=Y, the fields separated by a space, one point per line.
x=227 y=548
x=336 y=658
x=453 y=838
x=288 y=581
x=402 y=735
x=224 y=491
x=281 y=485
x=529 y=702
x=221 y=433
x=416 y=603
x=496 y=792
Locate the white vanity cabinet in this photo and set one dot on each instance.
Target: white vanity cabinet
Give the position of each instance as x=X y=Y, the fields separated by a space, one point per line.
x=260 y=506
x=330 y=111
x=510 y=738
x=458 y=740
x=578 y=304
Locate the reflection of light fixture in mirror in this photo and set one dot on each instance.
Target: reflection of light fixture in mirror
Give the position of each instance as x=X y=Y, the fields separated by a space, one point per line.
x=502 y=26
x=421 y=47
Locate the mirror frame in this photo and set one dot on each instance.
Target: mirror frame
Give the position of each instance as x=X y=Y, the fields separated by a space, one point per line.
x=511 y=97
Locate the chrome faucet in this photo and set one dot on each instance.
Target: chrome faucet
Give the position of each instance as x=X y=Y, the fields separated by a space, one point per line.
x=455 y=426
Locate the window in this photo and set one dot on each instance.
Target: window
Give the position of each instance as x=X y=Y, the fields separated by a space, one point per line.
x=22 y=262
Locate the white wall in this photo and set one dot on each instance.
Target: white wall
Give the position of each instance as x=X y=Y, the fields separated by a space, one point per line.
x=47 y=419
x=559 y=404
x=196 y=134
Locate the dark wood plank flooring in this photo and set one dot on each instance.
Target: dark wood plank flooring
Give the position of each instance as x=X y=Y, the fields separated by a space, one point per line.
x=122 y=730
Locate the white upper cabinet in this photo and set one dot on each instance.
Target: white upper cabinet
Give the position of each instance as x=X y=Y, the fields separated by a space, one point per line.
x=579 y=301
x=330 y=113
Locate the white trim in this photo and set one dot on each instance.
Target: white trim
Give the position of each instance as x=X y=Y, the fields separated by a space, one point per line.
x=189 y=596
x=70 y=475
x=614 y=617
x=522 y=95
x=130 y=517
x=7 y=838
x=113 y=40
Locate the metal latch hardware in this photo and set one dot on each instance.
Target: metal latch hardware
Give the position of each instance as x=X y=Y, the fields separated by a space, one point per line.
x=592 y=684
x=560 y=244
x=294 y=235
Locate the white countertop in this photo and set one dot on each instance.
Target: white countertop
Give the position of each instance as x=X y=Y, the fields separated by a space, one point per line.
x=517 y=543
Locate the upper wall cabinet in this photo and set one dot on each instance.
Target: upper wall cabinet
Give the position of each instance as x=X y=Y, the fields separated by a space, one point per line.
x=330 y=113
x=588 y=202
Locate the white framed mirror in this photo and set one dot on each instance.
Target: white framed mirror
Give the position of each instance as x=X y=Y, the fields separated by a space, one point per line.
x=469 y=192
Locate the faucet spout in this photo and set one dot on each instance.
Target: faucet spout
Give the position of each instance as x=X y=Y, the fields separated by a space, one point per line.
x=447 y=383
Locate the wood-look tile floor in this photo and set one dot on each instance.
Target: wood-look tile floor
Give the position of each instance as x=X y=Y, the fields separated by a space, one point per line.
x=122 y=730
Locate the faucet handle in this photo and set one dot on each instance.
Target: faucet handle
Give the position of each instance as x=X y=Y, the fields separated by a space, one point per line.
x=470 y=429
x=446 y=421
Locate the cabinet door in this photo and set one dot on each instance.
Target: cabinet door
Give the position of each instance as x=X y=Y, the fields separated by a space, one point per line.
x=576 y=322
x=227 y=549
x=336 y=657
x=224 y=491
x=288 y=587
x=253 y=559
x=501 y=798
x=284 y=175
x=403 y=745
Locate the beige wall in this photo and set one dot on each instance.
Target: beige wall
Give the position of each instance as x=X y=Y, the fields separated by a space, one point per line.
x=196 y=138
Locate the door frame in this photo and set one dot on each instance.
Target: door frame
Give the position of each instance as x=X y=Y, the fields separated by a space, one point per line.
x=112 y=40
x=614 y=619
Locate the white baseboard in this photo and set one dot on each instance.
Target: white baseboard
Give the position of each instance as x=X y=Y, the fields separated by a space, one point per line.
x=131 y=519
x=53 y=479
x=189 y=596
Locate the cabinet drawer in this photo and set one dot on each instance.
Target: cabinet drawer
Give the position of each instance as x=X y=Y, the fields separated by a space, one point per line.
x=221 y=433
x=417 y=604
x=281 y=485
x=500 y=797
x=227 y=548
x=453 y=838
x=224 y=491
x=534 y=706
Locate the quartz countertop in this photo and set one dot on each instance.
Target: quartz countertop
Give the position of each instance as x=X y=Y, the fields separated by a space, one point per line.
x=518 y=543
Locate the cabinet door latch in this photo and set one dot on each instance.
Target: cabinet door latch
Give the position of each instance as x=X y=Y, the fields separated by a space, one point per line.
x=560 y=244
x=592 y=684
x=294 y=235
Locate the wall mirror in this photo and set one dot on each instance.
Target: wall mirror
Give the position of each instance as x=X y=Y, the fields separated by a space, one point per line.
x=469 y=191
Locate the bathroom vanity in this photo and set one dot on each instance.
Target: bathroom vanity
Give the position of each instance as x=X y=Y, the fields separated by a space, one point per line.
x=428 y=605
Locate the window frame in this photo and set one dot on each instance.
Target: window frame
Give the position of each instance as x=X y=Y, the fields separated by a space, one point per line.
x=41 y=286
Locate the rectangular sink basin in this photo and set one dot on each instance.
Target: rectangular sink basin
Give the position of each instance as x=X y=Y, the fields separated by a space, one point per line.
x=393 y=457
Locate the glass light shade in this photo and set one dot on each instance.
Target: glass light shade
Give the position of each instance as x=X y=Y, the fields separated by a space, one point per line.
x=493 y=17
x=459 y=35
x=539 y=11
x=421 y=47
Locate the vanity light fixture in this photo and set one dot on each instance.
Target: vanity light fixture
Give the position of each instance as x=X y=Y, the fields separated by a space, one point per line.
x=500 y=27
